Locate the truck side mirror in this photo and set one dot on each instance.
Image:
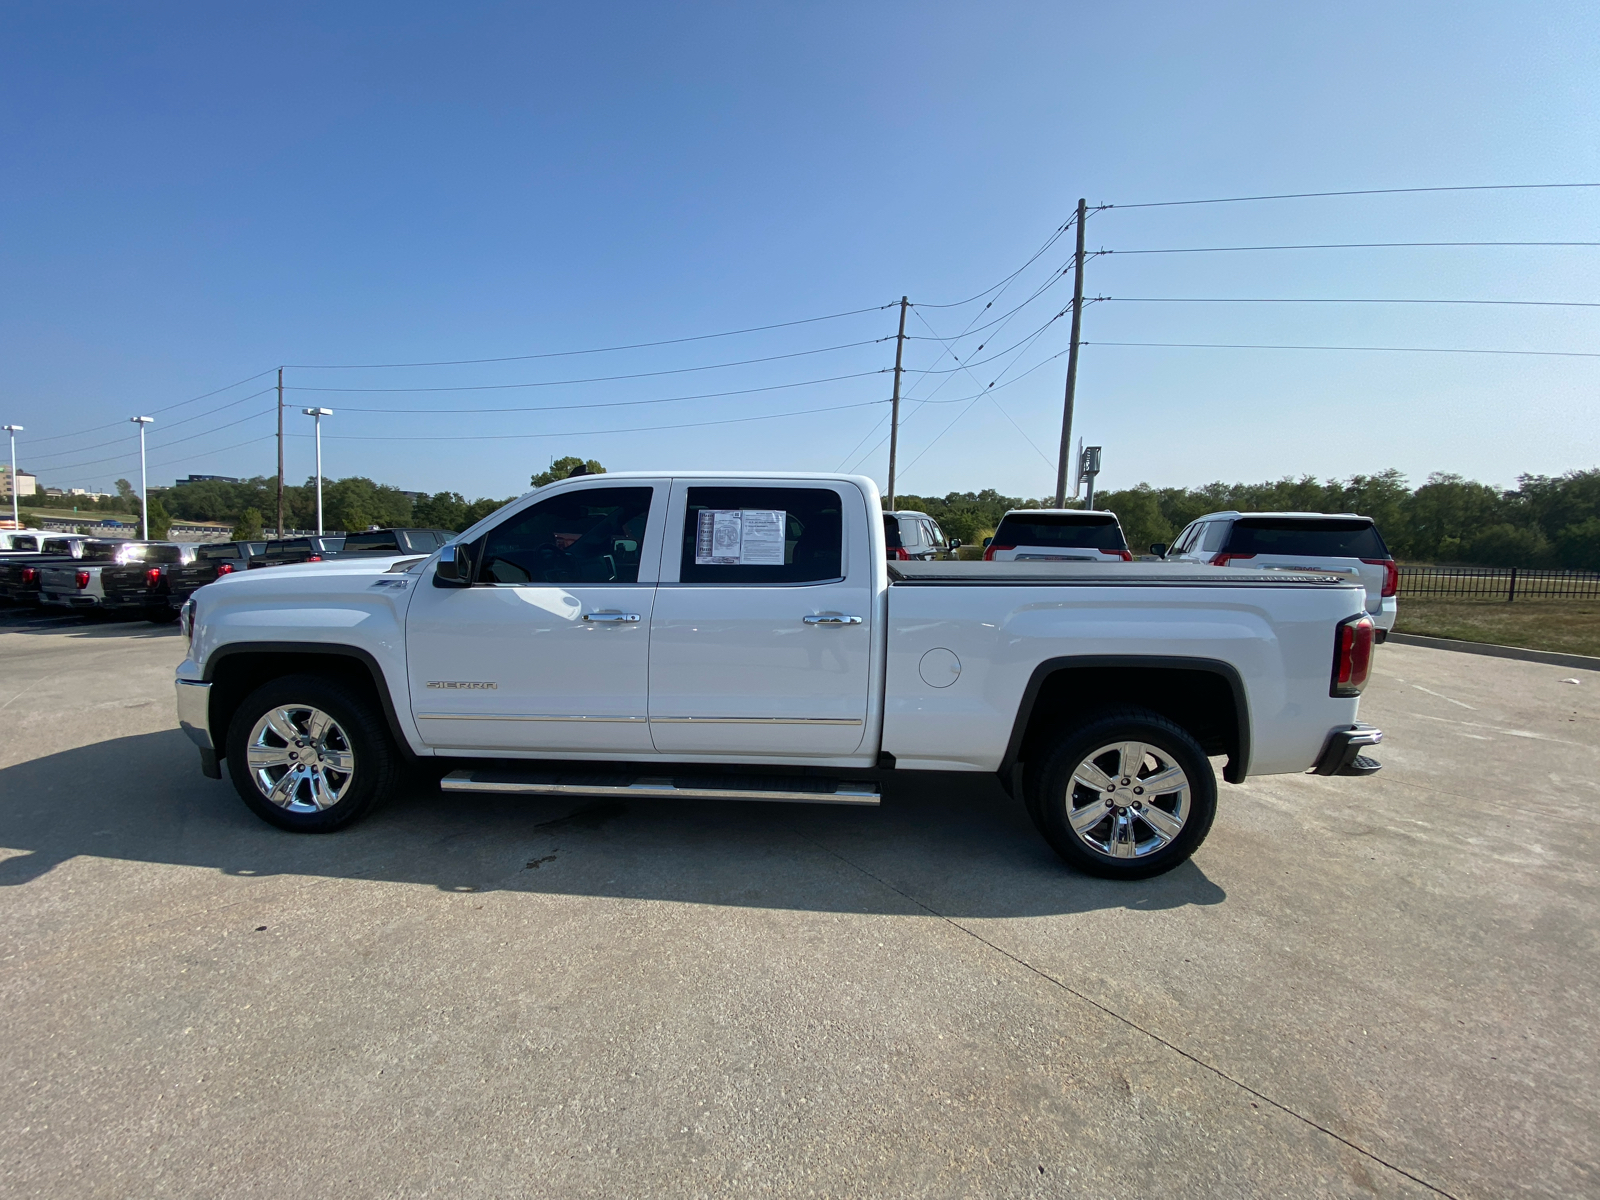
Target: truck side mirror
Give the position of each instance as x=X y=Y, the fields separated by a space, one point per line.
x=955 y=544
x=1159 y=549
x=454 y=568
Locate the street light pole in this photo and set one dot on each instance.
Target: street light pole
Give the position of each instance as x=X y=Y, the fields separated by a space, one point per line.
x=13 y=430
x=319 y=413
x=144 y=483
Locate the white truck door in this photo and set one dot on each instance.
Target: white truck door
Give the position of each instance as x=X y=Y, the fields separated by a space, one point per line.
x=761 y=639
x=548 y=649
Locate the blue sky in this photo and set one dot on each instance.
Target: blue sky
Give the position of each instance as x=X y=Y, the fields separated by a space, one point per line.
x=193 y=194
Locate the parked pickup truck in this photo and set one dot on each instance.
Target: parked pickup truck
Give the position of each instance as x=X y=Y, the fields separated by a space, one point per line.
x=211 y=561
x=112 y=575
x=19 y=572
x=744 y=637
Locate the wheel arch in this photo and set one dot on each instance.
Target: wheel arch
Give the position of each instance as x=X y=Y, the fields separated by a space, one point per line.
x=238 y=668
x=1205 y=696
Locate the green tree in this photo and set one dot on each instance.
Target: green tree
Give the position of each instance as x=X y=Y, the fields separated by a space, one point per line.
x=248 y=528
x=160 y=519
x=1577 y=546
x=563 y=467
x=1508 y=546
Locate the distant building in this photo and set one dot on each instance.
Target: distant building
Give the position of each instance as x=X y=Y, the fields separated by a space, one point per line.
x=88 y=495
x=207 y=479
x=27 y=485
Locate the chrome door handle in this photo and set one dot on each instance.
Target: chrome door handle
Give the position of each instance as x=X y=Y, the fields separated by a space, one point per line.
x=831 y=619
x=618 y=618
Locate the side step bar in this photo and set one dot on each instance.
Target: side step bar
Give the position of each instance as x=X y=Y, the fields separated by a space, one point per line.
x=802 y=789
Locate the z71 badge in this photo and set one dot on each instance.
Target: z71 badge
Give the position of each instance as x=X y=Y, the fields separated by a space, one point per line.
x=463 y=685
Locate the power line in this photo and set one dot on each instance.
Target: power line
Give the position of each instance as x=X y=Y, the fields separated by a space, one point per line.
x=1337 y=246
x=996 y=403
x=506 y=437
x=1482 y=187
x=56 y=437
x=94 y=462
x=1338 y=300
x=1054 y=238
x=182 y=421
x=496 y=387
x=462 y=362
x=621 y=403
x=1389 y=349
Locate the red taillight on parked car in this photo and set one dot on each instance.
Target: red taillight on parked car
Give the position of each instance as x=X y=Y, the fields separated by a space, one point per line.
x=315 y=558
x=83 y=579
x=1222 y=560
x=1391 y=574
x=900 y=554
x=225 y=569
x=152 y=576
x=1352 y=656
x=29 y=574
x=988 y=552
x=1124 y=555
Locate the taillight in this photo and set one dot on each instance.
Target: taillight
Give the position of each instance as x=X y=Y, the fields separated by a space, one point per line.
x=29 y=574
x=152 y=576
x=225 y=569
x=83 y=579
x=1222 y=560
x=315 y=558
x=988 y=553
x=1352 y=656
x=1391 y=574
x=1124 y=555
x=900 y=554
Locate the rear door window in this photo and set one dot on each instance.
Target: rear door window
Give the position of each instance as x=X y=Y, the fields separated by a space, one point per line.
x=1060 y=532
x=377 y=539
x=591 y=535
x=891 y=532
x=764 y=535
x=1326 y=537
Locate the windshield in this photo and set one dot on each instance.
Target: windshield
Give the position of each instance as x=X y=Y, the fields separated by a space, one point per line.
x=1327 y=537
x=1061 y=531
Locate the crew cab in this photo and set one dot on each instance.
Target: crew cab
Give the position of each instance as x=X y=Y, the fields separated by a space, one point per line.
x=744 y=637
x=19 y=571
x=112 y=576
x=1297 y=541
x=288 y=551
x=211 y=561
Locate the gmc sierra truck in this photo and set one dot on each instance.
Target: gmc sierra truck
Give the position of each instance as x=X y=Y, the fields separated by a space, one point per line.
x=744 y=637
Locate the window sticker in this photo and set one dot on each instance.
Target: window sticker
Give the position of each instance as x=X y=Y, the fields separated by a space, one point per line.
x=743 y=537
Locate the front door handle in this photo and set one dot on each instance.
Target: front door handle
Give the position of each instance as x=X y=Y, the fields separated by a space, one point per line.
x=831 y=619
x=615 y=617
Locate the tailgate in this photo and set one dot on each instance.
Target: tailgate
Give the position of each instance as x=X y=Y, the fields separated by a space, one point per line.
x=58 y=579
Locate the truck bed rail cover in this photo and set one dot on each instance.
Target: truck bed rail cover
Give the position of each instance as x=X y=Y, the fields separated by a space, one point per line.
x=1155 y=574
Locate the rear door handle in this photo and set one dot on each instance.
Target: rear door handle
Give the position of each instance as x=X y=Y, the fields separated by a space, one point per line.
x=831 y=619
x=614 y=617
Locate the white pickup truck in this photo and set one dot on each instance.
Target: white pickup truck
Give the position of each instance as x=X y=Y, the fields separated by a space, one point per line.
x=744 y=637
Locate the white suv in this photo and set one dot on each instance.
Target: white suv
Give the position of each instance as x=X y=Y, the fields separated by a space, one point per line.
x=1291 y=540
x=1057 y=535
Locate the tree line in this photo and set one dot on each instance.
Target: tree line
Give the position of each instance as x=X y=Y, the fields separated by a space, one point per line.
x=1544 y=521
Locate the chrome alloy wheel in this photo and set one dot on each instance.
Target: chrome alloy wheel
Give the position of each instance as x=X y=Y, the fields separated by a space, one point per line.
x=300 y=759
x=1127 y=799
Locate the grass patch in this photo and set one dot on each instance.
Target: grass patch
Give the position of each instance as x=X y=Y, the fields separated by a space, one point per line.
x=1566 y=626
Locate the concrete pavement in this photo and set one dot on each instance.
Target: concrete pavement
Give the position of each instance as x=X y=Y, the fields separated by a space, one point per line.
x=1358 y=987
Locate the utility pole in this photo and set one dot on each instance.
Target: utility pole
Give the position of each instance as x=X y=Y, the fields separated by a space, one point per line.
x=319 y=413
x=144 y=483
x=1072 y=363
x=894 y=413
x=280 y=444
x=13 y=430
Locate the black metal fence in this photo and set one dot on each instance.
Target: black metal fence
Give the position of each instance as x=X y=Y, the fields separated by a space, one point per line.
x=1499 y=583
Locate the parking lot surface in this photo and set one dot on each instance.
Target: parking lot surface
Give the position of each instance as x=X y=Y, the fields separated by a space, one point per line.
x=1358 y=986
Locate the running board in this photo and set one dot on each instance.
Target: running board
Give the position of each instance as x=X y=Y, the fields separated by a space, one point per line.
x=800 y=788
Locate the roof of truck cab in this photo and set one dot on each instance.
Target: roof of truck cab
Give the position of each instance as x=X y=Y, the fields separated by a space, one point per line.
x=1287 y=516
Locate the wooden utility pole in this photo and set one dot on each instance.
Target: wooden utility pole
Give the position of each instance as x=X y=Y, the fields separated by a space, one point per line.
x=894 y=413
x=1072 y=364
x=280 y=447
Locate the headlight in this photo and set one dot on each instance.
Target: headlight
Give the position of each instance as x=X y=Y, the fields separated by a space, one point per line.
x=186 y=621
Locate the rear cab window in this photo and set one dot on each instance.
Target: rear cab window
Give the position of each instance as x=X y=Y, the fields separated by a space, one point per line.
x=1308 y=537
x=1059 y=531
x=763 y=535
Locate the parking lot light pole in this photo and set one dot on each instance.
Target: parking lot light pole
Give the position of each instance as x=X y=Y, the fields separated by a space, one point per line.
x=144 y=483
x=13 y=430
x=319 y=413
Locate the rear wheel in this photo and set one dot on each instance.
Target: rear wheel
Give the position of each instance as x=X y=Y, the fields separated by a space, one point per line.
x=1127 y=795
x=310 y=754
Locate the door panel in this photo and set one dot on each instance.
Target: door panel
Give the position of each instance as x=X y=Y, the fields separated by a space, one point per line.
x=735 y=668
x=548 y=650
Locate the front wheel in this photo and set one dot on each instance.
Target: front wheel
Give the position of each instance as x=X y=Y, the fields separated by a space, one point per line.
x=310 y=754
x=1126 y=796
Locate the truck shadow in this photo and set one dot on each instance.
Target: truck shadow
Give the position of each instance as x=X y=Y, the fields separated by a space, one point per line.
x=958 y=847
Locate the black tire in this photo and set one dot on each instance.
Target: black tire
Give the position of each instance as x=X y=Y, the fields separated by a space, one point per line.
x=357 y=729
x=161 y=616
x=1126 y=816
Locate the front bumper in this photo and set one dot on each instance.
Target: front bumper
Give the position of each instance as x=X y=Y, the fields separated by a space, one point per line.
x=194 y=718
x=1342 y=755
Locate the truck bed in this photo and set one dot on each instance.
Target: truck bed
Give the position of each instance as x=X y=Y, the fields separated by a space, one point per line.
x=1120 y=574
